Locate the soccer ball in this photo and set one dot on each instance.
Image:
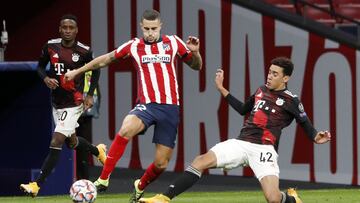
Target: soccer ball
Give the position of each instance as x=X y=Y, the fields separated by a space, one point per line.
x=83 y=191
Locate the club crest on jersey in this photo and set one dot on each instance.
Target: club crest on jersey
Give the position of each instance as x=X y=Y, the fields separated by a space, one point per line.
x=280 y=102
x=166 y=47
x=155 y=58
x=75 y=57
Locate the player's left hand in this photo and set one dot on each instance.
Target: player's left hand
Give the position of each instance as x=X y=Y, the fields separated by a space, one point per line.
x=88 y=102
x=322 y=137
x=193 y=44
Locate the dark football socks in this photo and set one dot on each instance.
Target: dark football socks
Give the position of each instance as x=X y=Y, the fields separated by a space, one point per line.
x=151 y=173
x=184 y=182
x=83 y=144
x=82 y=164
x=49 y=164
x=116 y=150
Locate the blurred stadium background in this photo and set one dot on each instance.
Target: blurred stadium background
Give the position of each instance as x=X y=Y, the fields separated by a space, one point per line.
x=242 y=36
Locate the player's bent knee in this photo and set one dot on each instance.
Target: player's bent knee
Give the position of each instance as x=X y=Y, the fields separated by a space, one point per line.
x=56 y=143
x=202 y=162
x=123 y=131
x=131 y=126
x=161 y=164
x=127 y=132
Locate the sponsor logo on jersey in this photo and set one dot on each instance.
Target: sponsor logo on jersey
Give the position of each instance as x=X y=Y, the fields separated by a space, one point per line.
x=75 y=57
x=55 y=56
x=59 y=68
x=280 y=102
x=258 y=105
x=156 y=58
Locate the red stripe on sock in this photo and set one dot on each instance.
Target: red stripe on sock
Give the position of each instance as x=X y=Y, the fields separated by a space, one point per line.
x=116 y=150
x=151 y=173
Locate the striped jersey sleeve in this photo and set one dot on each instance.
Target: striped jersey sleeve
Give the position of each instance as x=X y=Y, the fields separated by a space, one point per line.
x=184 y=53
x=124 y=49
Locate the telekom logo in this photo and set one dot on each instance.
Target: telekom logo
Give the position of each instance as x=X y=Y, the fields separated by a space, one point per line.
x=259 y=104
x=59 y=68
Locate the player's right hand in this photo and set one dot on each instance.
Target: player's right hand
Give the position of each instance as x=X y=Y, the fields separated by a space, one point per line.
x=52 y=83
x=70 y=75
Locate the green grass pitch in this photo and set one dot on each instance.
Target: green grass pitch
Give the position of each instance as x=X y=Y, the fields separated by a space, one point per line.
x=308 y=196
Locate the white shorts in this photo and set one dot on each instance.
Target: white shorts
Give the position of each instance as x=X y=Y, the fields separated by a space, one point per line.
x=66 y=119
x=233 y=153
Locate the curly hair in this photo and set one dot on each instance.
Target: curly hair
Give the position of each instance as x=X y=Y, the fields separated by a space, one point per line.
x=284 y=63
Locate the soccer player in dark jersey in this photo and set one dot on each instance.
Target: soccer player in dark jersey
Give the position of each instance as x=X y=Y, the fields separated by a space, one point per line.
x=271 y=108
x=64 y=54
x=154 y=58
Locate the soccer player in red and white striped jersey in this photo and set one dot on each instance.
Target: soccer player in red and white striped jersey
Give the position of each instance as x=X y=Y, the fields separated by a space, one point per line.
x=153 y=57
x=155 y=65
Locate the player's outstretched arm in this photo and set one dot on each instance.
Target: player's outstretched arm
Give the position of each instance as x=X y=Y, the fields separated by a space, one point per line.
x=193 y=44
x=241 y=108
x=97 y=63
x=322 y=137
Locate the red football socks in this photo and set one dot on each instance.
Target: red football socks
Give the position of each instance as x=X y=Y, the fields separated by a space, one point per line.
x=151 y=173
x=116 y=150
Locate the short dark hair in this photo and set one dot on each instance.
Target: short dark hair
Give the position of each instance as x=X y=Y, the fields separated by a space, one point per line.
x=150 y=14
x=284 y=63
x=69 y=16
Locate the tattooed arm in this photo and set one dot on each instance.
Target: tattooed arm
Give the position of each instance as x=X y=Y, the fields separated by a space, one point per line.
x=195 y=62
x=97 y=63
